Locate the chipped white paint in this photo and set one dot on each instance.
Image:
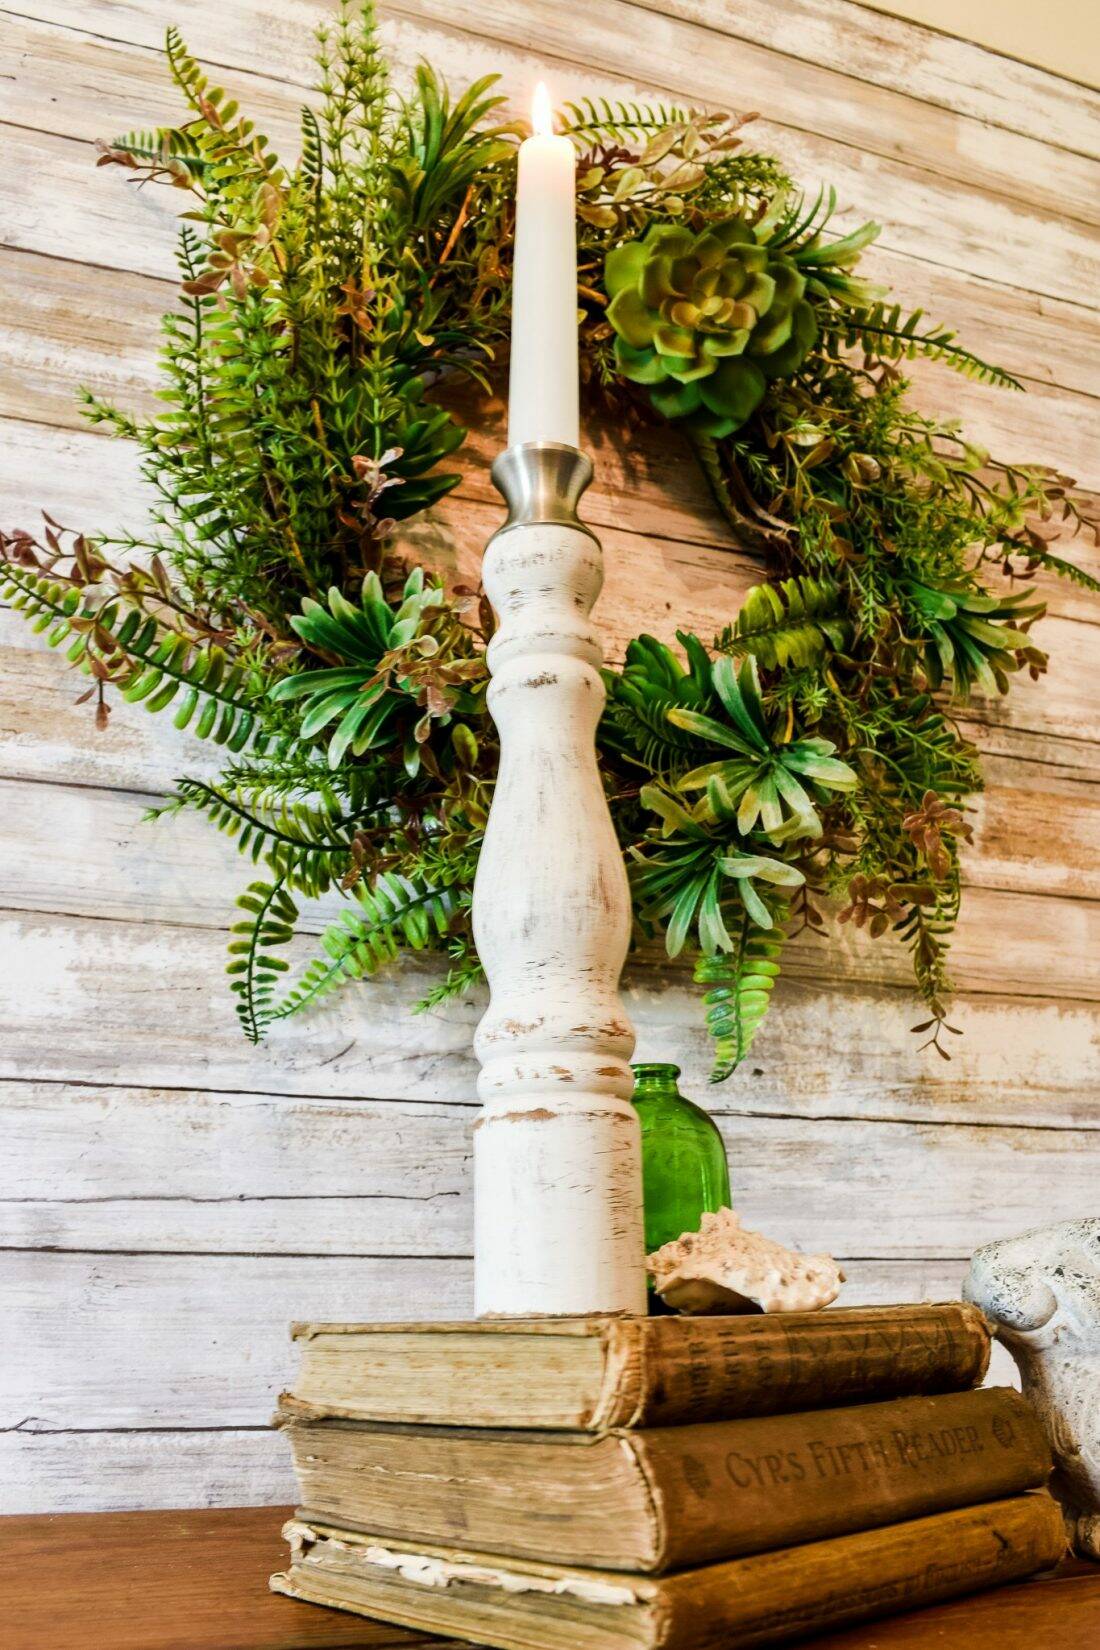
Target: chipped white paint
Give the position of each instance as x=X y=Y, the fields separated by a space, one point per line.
x=557 y=1155
x=1042 y=1292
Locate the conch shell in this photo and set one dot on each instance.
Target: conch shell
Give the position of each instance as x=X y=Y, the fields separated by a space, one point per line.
x=724 y=1268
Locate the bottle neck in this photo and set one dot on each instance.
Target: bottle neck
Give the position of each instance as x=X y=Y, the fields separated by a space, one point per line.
x=653 y=1079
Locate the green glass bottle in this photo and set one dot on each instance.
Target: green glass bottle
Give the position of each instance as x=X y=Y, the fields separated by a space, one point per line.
x=684 y=1169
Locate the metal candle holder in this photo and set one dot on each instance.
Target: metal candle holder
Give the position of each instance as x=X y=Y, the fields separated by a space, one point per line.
x=557 y=1155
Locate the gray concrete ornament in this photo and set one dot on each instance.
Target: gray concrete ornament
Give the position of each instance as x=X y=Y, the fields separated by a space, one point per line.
x=1041 y=1293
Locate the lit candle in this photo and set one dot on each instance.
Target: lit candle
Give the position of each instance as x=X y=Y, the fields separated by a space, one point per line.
x=542 y=392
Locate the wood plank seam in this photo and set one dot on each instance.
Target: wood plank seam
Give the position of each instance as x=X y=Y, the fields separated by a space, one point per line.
x=1031 y=1113
x=449 y=31
x=722 y=1107
x=469 y=29
x=724 y=23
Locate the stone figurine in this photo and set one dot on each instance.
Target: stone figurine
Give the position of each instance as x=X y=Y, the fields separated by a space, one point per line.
x=1041 y=1293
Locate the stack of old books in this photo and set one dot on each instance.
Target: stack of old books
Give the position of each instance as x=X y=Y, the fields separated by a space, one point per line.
x=689 y=1483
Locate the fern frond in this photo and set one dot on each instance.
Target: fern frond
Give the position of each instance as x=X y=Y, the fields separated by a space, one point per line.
x=739 y=986
x=296 y=771
x=312 y=163
x=147 y=661
x=396 y=912
x=171 y=149
x=886 y=332
x=272 y=916
x=1064 y=569
x=230 y=144
x=309 y=845
x=185 y=71
x=602 y=119
x=642 y=732
x=652 y=683
x=793 y=623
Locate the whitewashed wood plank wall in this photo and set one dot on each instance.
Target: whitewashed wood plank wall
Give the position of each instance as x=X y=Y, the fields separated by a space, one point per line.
x=170 y=1197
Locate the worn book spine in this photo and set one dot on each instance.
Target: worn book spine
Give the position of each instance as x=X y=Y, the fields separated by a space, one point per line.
x=747 y=1486
x=777 y=1596
x=672 y=1496
x=592 y=1374
x=663 y=1371
x=748 y=1602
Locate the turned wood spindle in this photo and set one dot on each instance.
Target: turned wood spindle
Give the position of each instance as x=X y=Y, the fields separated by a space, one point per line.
x=557 y=1155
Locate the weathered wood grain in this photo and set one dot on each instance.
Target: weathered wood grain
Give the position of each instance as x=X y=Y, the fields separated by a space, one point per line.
x=924 y=63
x=650 y=503
x=259 y=1175
x=873 y=49
x=812 y=111
x=1023 y=812
x=1036 y=337
x=986 y=235
x=72 y=82
x=1034 y=831
x=111 y=87
x=1072 y=758
x=251 y=1174
x=163 y=1336
x=678 y=570
x=146 y=1004
x=53 y=335
x=274 y=42
x=282 y=1190
x=1035 y=934
x=45 y=735
x=92 y=1471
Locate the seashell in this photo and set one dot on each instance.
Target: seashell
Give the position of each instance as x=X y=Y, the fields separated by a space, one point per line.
x=724 y=1268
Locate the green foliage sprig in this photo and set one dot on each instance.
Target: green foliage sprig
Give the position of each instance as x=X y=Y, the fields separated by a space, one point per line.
x=806 y=753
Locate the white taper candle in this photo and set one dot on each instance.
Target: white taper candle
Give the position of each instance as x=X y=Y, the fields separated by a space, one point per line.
x=542 y=392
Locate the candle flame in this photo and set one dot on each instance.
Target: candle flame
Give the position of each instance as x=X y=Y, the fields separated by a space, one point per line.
x=542 y=113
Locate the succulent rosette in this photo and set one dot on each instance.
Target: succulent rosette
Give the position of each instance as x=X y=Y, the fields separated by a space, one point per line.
x=705 y=320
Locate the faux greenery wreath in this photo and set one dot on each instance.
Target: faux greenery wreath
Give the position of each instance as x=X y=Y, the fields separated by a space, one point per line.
x=808 y=749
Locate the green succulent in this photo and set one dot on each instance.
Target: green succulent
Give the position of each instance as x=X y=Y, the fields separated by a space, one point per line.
x=972 y=637
x=652 y=682
x=357 y=695
x=768 y=786
x=690 y=880
x=425 y=436
x=705 y=320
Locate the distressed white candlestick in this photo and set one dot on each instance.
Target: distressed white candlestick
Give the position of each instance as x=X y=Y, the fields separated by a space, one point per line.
x=557 y=1154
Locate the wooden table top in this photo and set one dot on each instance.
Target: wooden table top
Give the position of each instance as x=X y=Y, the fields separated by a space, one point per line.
x=198 y=1581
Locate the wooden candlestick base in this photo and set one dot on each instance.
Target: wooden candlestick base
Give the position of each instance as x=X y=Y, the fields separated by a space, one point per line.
x=557 y=1158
